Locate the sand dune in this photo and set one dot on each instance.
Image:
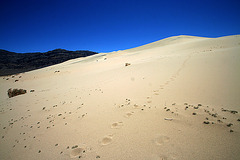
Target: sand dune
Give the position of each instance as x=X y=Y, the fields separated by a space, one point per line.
x=178 y=98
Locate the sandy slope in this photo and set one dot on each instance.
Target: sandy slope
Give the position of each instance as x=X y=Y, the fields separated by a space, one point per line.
x=144 y=111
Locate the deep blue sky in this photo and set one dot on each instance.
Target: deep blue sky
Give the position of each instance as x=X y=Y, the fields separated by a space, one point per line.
x=110 y=25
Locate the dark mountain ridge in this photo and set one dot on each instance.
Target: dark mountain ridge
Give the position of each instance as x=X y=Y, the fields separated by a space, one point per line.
x=13 y=63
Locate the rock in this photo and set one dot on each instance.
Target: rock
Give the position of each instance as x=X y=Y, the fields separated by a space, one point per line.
x=194 y=113
x=127 y=64
x=206 y=122
x=229 y=125
x=214 y=115
x=233 y=112
x=74 y=146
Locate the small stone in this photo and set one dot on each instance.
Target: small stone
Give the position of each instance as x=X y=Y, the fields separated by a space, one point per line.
x=231 y=130
x=214 y=115
x=206 y=122
x=97 y=156
x=233 y=112
x=127 y=64
x=56 y=144
x=74 y=146
x=168 y=110
x=229 y=125
x=238 y=119
x=39 y=151
x=194 y=113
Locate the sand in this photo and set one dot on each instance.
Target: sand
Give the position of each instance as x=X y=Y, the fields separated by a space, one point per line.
x=176 y=99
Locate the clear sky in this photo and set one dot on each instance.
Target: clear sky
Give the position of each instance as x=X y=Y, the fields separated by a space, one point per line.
x=110 y=25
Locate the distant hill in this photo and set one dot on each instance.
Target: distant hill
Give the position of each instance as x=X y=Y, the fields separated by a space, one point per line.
x=13 y=63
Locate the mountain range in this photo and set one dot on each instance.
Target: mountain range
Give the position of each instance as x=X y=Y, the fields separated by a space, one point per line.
x=13 y=63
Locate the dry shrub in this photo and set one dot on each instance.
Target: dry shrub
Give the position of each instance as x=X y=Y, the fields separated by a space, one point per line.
x=16 y=92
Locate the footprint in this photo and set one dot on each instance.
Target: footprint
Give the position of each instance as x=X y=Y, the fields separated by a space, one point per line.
x=106 y=140
x=117 y=125
x=129 y=114
x=77 y=152
x=160 y=140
